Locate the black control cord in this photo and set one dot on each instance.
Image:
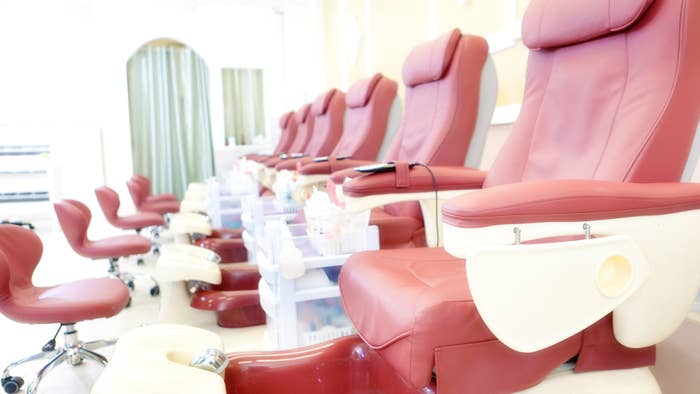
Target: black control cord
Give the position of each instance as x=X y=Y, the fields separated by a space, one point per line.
x=51 y=345
x=435 y=189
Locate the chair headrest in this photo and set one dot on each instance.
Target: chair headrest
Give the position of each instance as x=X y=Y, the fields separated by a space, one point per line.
x=429 y=61
x=361 y=91
x=320 y=105
x=302 y=113
x=556 y=23
x=284 y=120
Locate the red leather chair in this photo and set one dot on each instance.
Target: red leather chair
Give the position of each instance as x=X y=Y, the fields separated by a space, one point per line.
x=109 y=203
x=609 y=117
x=305 y=129
x=65 y=304
x=74 y=218
x=151 y=198
x=288 y=132
x=449 y=102
x=140 y=196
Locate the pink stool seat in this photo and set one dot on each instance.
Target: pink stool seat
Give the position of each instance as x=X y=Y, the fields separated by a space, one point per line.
x=161 y=207
x=161 y=197
x=120 y=245
x=139 y=221
x=70 y=302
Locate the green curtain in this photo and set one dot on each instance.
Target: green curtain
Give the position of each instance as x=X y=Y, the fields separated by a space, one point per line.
x=244 y=115
x=169 y=113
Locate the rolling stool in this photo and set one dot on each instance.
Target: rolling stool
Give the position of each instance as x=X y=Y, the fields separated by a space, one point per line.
x=74 y=218
x=109 y=203
x=64 y=304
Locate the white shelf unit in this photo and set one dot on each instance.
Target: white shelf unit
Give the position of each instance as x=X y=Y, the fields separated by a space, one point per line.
x=25 y=183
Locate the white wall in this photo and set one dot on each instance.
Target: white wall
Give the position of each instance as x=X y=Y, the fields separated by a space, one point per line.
x=63 y=71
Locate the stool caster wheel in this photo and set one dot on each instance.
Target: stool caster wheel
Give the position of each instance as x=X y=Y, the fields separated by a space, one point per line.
x=155 y=291
x=156 y=252
x=139 y=261
x=12 y=384
x=130 y=285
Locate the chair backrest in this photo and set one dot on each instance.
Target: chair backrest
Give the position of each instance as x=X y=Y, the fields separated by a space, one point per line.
x=305 y=128
x=74 y=218
x=20 y=252
x=612 y=93
x=109 y=203
x=369 y=103
x=328 y=111
x=136 y=191
x=145 y=182
x=288 y=131
x=450 y=97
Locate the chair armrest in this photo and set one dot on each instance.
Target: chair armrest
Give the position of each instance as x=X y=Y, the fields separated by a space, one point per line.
x=291 y=164
x=418 y=180
x=375 y=190
x=639 y=263
x=272 y=161
x=339 y=176
x=332 y=166
x=416 y=184
x=569 y=200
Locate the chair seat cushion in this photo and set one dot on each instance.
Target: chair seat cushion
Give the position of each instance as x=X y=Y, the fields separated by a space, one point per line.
x=70 y=302
x=119 y=246
x=161 y=207
x=139 y=221
x=397 y=231
x=155 y=198
x=415 y=291
x=414 y=307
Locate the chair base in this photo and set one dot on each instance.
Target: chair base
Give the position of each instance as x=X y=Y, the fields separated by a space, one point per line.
x=73 y=352
x=347 y=365
x=128 y=278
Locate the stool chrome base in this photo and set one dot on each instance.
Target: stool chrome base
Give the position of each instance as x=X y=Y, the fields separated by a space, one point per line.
x=128 y=278
x=73 y=352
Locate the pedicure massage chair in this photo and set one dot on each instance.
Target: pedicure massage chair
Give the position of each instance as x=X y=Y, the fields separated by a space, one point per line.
x=288 y=131
x=562 y=269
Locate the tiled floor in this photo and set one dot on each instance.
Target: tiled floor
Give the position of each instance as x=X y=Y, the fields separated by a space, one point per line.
x=61 y=264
